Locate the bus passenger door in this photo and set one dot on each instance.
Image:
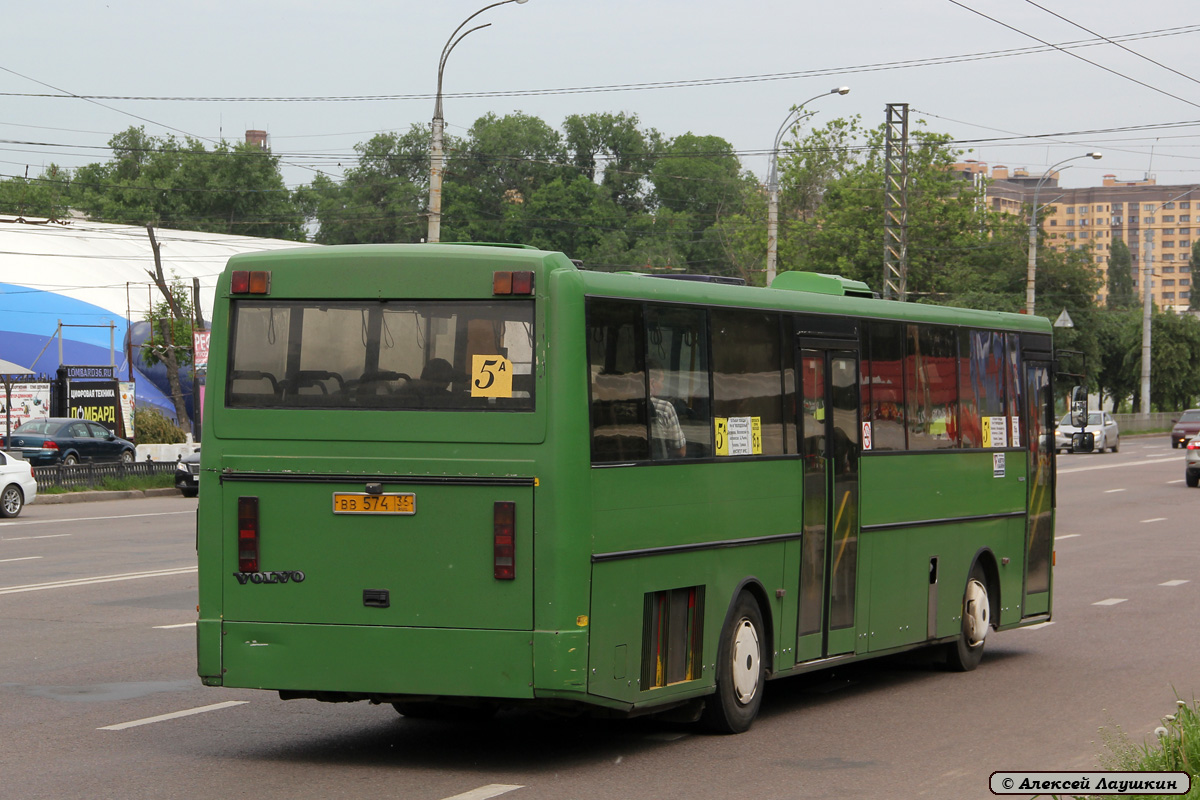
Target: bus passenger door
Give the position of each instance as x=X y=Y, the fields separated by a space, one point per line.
x=1039 y=534
x=829 y=439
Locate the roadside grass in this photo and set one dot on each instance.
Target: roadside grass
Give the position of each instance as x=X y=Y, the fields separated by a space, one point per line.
x=1176 y=748
x=160 y=481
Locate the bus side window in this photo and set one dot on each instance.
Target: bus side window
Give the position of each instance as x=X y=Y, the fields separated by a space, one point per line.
x=617 y=381
x=748 y=376
x=677 y=359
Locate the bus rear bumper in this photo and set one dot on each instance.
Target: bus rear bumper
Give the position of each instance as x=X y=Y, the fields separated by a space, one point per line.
x=377 y=661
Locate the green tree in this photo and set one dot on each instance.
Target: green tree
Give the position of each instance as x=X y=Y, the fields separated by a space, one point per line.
x=502 y=162
x=627 y=153
x=382 y=199
x=170 y=342
x=1194 y=270
x=1120 y=276
x=571 y=216
x=45 y=196
x=1117 y=370
x=699 y=178
x=166 y=182
x=950 y=238
x=1174 y=361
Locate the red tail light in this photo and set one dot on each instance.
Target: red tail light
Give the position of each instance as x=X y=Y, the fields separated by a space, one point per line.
x=48 y=445
x=245 y=282
x=520 y=282
x=247 y=534
x=504 y=540
x=1194 y=444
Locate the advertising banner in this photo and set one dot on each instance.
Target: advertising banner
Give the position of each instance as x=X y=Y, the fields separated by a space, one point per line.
x=126 y=405
x=200 y=348
x=94 y=400
x=29 y=401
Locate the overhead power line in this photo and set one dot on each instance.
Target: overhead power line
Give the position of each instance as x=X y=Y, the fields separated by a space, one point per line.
x=1067 y=51
x=1112 y=42
x=647 y=86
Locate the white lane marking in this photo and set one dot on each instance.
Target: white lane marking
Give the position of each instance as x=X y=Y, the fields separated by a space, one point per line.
x=176 y=715
x=1155 y=519
x=26 y=558
x=169 y=627
x=1174 y=460
x=128 y=576
x=1039 y=625
x=1112 y=601
x=1173 y=583
x=29 y=538
x=1067 y=536
x=484 y=792
x=1178 y=481
x=1113 y=491
x=93 y=519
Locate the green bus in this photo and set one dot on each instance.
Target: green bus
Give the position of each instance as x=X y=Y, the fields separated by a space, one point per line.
x=462 y=477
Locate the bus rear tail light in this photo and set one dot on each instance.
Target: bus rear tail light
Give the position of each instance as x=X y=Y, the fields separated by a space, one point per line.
x=519 y=282
x=246 y=282
x=504 y=516
x=247 y=534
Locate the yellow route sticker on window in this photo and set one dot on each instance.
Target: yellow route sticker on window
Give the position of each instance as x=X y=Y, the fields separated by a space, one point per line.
x=737 y=436
x=491 y=376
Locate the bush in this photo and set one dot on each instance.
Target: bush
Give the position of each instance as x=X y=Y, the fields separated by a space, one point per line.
x=153 y=428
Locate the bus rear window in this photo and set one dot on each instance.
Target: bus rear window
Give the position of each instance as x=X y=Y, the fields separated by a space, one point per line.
x=445 y=355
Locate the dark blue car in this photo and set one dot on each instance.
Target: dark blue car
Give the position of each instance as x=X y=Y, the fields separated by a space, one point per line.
x=61 y=440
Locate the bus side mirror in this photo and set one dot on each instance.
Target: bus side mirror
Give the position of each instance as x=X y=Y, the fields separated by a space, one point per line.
x=1079 y=409
x=1083 y=442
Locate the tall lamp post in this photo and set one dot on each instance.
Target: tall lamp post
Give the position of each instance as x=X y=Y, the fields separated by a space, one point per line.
x=1031 y=272
x=436 y=154
x=1147 y=271
x=773 y=181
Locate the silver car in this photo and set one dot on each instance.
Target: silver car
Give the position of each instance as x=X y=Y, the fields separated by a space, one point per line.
x=1100 y=424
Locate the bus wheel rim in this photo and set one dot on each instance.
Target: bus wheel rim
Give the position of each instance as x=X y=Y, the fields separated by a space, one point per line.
x=746 y=656
x=976 y=613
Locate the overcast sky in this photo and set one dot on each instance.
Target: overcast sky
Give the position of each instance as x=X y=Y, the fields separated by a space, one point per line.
x=996 y=88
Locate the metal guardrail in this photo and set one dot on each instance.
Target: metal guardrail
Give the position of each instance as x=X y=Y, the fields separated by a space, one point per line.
x=84 y=476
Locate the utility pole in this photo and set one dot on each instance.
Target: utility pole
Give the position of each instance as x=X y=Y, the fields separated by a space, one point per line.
x=895 y=203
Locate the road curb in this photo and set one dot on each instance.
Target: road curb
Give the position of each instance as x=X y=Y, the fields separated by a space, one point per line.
x=91 y=497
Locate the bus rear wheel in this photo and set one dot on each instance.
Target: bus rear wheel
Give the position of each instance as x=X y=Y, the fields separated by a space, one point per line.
x=741 y=670
x=965 y=653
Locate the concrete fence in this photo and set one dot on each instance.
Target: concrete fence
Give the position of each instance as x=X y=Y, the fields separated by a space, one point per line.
x=1156 y=421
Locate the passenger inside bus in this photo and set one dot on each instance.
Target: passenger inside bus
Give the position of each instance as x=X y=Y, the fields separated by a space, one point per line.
x=666 y=436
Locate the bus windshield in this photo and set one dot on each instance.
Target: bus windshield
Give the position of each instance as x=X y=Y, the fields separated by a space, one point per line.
x=445 y=355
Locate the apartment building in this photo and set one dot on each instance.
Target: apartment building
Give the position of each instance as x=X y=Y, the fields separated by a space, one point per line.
x=1157 y=223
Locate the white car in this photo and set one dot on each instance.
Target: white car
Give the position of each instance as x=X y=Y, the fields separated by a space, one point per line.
x=17 y=484
x=1100 y=424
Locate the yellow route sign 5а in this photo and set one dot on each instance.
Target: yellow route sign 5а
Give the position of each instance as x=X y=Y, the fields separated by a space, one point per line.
x=491 y=376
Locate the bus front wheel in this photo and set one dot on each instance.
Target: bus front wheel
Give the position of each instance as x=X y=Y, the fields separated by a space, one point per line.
x=741 y=670
x=964 y=654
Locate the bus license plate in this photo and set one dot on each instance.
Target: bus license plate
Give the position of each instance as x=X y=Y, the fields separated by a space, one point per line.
x=356 y=503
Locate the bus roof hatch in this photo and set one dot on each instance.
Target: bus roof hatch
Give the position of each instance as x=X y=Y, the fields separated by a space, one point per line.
x=821 y=284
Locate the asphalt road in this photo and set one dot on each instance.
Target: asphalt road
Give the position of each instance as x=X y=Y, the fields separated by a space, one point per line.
x=97 y=609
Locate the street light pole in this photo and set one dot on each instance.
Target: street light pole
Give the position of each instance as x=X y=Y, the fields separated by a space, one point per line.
x=773 y=181
x=1147 y=305
x=1031 y=270
x=436 y=148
